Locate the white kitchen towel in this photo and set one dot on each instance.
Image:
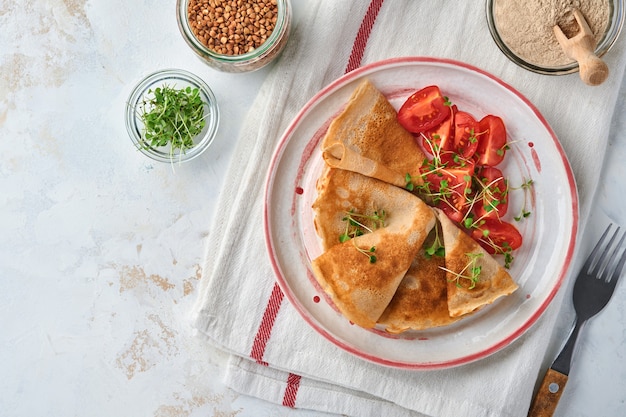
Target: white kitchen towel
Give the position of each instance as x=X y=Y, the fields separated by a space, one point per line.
x=275 y=355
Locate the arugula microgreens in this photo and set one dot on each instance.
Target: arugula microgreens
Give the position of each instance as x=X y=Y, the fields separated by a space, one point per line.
x=358 y=224
x=172 y=117
x=471 y=271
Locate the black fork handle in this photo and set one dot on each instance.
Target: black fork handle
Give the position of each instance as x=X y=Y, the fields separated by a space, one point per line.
x=563 y=362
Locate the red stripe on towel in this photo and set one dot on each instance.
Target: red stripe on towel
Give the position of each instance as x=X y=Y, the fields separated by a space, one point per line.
x=291 y=391
x=265 y=329
x=362 y=36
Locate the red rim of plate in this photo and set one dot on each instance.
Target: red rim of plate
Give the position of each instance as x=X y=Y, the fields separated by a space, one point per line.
x=351 y=76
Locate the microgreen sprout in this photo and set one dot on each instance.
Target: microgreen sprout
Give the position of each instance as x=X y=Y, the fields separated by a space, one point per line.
x=508 y=256
x=470 y=223
x=523 y=214
x=491 y=195
x=471 y=271
x=501 y=150
x=503 y=248
x=409 y=182
x=357 y=224
x=526 y=187
x=367 y=252
x=473 y=136
x=172 y=117
x=437 y=248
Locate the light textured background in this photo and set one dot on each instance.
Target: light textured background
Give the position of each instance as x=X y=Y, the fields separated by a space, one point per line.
x=100 y=247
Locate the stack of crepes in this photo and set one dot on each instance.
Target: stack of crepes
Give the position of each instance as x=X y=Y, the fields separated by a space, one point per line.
x=384 y=275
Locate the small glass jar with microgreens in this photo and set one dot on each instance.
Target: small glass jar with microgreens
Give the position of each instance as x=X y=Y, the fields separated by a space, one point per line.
x=172 y=116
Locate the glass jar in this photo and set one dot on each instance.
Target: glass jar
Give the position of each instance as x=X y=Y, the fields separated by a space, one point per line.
x=249 y=61
x=177 y=79
x=614 y=27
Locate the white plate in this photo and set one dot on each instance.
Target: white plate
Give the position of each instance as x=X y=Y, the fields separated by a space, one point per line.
x=539 y=266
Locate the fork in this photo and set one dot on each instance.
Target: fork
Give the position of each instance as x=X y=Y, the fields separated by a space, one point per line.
x=592 y=291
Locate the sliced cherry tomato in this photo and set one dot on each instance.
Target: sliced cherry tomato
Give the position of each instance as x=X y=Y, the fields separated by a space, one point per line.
x=497 y=237
x=491 y=141
x=461 y=176
x=440 y=138
x=493 y=198
x=424 y=110
x=465 y=130
x=450 y=189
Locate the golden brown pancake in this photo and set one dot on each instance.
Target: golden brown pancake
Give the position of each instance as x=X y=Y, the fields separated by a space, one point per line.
x=367 y=138
x=360 y=289
x=421 y=300
x=337 y=193
x=462 y=255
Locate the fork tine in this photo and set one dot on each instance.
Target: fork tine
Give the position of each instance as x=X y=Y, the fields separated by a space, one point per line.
x=609 y=254
x=592 y=259
x=619 y=265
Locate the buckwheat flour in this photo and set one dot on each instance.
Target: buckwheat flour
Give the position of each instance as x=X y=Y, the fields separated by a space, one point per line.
x=526 y=26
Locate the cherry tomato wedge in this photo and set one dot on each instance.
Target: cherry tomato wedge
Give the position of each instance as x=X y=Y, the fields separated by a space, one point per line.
x=440 y=138
x=450 y=189
x=492 y=195
x=497 y=237
x=491 y=141
x=423 y=110
x=465 y=130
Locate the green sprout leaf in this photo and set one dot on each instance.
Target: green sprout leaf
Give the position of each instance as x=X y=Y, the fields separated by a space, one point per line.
x=409 y=182
x=358 y=224
x=471 y=272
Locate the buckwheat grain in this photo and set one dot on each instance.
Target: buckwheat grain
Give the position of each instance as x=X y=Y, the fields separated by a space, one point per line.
x=232 y=27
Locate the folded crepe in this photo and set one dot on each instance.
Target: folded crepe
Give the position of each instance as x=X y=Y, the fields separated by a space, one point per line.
x=359 y=287
x=367 y=138
x=336 y=196
x=421 y=300
x=466 y=259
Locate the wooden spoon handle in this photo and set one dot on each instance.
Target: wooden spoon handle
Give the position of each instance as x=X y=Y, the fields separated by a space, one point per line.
x=549 y=393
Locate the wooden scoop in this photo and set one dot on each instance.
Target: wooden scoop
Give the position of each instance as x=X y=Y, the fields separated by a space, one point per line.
x=581 y=47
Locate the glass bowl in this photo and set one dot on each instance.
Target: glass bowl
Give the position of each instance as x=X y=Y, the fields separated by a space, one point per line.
x=616 y=21
x=177 y=79
x=250 y=61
